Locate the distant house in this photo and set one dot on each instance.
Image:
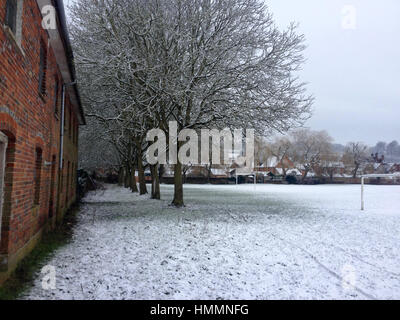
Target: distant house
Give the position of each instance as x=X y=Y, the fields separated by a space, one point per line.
x=199 y=174
x=339 y=165
x=219 y=173
x=330 y=168
x=395 y=168
x=294 y=172
x=386 y=168
x=369 y=168
x=195 y=171
x=168 y=171
x=276 y=167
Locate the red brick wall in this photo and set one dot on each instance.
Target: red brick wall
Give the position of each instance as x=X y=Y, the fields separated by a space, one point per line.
x=67 y=197
x=29 y=119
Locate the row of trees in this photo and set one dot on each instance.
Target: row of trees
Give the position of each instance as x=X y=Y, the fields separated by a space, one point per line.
x=306 y=147
x=201 y=63
x=391 y=150
x=312 y=150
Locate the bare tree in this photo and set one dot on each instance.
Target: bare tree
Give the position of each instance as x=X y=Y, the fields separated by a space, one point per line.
x=331 y=164
x=392 y=150
x=309 y=148
x=96 y=149
x=261 y=151
x=201 y=63
x=355 y=154
x=281 y=148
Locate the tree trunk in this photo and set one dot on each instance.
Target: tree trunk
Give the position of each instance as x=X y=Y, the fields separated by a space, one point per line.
x=155 y=183
x=304 y=176
x=178 y=186
x=283 y=169
x=161 y=170
x=355 y=170
x=331 y=173
x=142 y=178
x=126 y=177
x=133 y=184
x=121 y=176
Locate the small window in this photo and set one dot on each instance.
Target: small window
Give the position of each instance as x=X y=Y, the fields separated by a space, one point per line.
x=56 y=89
x=42 y=68
x=11 y=15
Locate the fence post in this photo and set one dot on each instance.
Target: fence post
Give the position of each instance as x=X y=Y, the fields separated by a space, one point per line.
x=362 y=193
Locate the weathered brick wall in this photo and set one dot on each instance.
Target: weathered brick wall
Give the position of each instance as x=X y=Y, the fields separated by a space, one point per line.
x=70 y=156
x=30 y=122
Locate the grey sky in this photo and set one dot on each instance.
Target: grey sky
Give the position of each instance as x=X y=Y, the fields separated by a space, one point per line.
x=353 y=74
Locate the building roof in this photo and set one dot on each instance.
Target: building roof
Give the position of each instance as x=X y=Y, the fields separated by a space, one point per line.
x=332 y=164
x=272 y=162
x=218 y=172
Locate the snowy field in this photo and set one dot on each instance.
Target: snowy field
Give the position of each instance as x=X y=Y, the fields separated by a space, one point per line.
x=233 y=242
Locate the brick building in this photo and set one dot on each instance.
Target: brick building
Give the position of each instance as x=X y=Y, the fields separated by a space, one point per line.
x=40 y=113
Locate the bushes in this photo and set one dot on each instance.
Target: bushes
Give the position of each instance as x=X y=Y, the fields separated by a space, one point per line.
x=291 y=179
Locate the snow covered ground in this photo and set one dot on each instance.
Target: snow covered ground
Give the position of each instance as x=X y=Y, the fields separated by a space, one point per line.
x=233 y=242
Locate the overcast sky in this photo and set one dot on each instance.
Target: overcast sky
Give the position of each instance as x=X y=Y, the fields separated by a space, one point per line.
x=352 y=72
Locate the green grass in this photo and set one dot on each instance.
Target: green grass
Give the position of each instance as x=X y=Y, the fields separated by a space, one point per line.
x=23 y=277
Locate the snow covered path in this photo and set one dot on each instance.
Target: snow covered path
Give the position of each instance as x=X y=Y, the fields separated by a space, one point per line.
x=233 y=242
